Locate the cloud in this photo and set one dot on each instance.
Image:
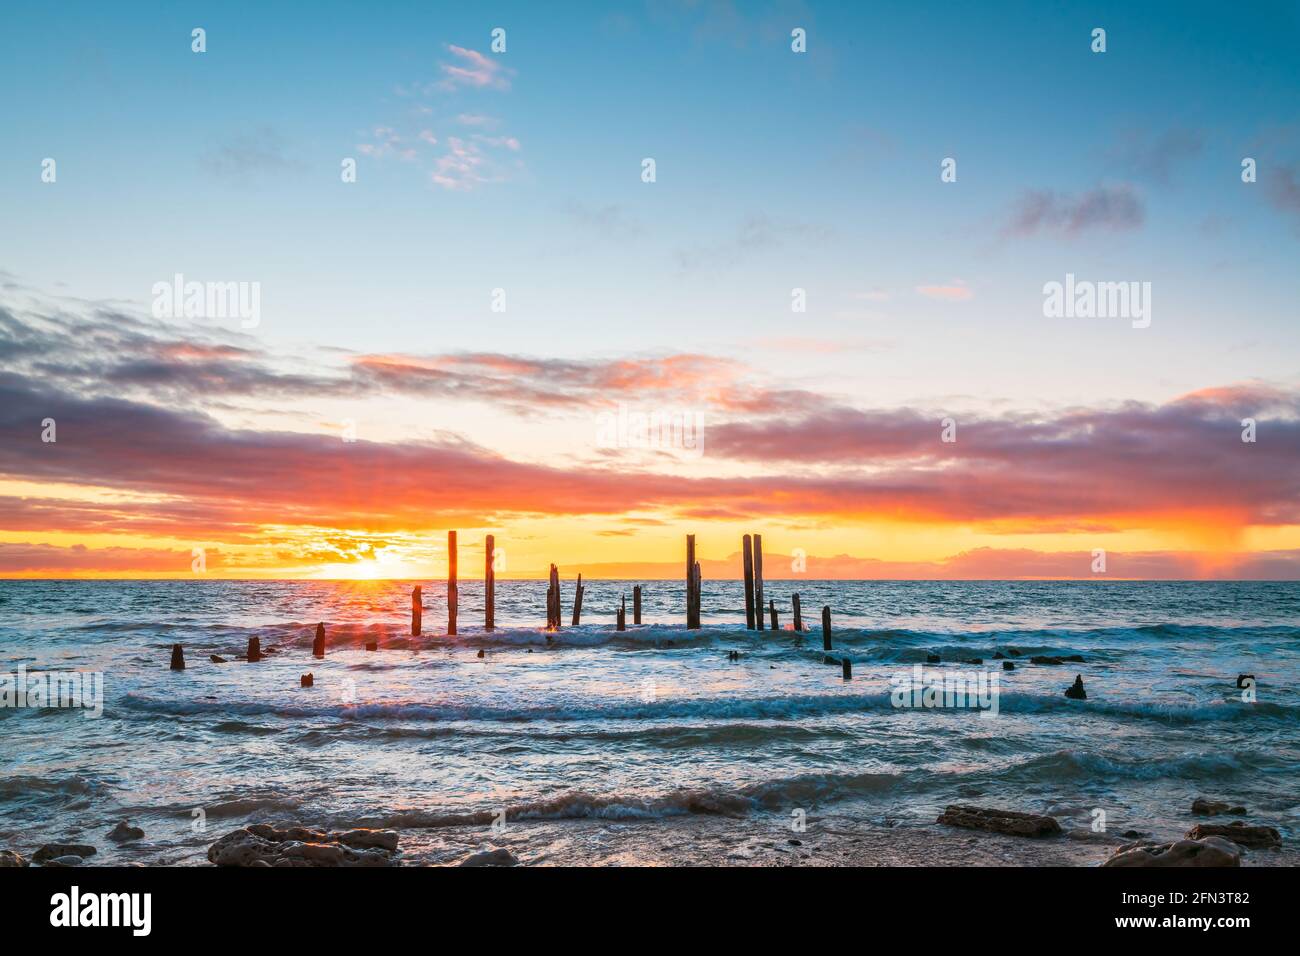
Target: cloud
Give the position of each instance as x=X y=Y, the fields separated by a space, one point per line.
x=251 y=156
x=756 y=233
x=473 y=69
x=610 y=221
x=1155 y=157
x=46 y=558
x=957 y=291
x=1107 y=208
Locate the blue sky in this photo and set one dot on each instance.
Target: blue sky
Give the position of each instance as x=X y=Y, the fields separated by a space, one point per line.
x=775 y=170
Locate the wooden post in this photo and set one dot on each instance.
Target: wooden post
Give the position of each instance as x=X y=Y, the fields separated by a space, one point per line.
x=622 y=613
x=318 y=645
x=306 y=680
x=749 y=583
x=690 y=581
x=698 y=589
x=758 y=580
x=636 y=604
x=553 y=600
x=577 y=602
x=775 y=626
x=254 y=648
x=417 y=610
x=178 y=658
x=490 y=584
x=826 y=628
x=848 y=668
x=798 y=615
x=452 y=596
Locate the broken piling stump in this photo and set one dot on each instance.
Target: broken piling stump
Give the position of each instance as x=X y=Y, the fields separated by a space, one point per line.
x=178 y=658
x=848 y=668
x=553 y=600
x=758 y=581
x=636 y=604
x=748 y=546
x=772 y=611
x=577 y=602
x=318 y=645
x=826 y=628
x=254 y=649
x=621 y=620
x=306 y=680
x=692 y=585
x=453 y=598
x=798 y=615
x=490 y=584
x=417 y=611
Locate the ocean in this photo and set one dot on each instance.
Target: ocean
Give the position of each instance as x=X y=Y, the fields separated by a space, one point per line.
x=652 y=723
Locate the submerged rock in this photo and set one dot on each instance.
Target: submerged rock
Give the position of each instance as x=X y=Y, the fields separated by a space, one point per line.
x=999 y=821
x=1212 y=808
x=1240 y=833
x=932 y=658
x=215 y=659
x=1043 y=659
x=1211 y=851
x=1075 y=691
x=497 y=857
x=9 y=858
x=124 y=832
x=265 y=845
x=1008 y=666
x=52 y=851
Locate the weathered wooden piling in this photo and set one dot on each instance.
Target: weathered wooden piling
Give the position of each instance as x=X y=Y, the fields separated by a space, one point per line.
x=372 y=645
x=306 y=680
x=692 y=585
x=318 y=645
x=758 y=580
x=622 y=613
x=636 y=604
x=417 y=610
x=798 y=614
x=826 y=628
x=453 y=598
x=490 y=584
x=577 y=602
x=772 y=608
x=178 y=658
x=748 y=547
x=847 y=666
x=553 y=600
x=254 y=649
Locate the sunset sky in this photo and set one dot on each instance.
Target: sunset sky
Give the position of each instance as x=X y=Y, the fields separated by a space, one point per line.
x=380 y=400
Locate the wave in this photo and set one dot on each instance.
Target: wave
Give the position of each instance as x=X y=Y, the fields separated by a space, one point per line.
x=775 y=707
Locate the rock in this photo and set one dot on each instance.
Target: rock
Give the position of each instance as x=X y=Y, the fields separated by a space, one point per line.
x=1242 y=678
x=70 y=860
x=497 y=857
x=1133 y=834
x=1040 y=659
x=1240 y=833
x=1211 y=851
x=124 y=832
x=932 y=658
x=1013 y=652
x=52 y=851
x=265 y=845
x=1212 y=808
x=998 y=655
x=794 y=842
x=974 y=660
x=215 y=659
x=306 y=680
x=1008 y=666
x=1075 y=691
x=8 y=858
x=1074 y=659
x=999 y=821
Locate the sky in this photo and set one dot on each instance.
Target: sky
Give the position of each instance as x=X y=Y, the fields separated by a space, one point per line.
x=452 y=339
